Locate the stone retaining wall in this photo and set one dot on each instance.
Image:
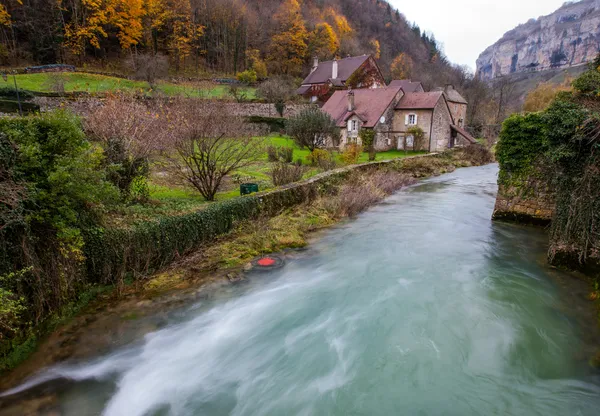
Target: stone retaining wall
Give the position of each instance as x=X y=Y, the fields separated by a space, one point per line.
x=531 y=201
x=84 y=105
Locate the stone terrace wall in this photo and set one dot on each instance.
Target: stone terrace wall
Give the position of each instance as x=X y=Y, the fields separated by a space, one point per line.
x=531 y=201
x=84 y=105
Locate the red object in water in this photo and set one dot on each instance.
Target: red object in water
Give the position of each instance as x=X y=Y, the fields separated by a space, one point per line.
x=266 y=261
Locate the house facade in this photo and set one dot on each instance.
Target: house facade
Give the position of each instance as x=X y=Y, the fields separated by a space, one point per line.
x=394 y=114
x=354 y=72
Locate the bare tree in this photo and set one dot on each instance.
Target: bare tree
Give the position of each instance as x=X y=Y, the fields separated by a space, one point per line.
x=130 y=133
x=505 y=95
x=150 y=67
x=277 y=90
x=208 y=143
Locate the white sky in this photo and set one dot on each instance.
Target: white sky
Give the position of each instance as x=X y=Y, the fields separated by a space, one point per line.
x=467 y=27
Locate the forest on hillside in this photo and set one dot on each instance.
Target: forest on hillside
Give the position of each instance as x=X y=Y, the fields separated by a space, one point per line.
x=217 y=36
x=207 y=38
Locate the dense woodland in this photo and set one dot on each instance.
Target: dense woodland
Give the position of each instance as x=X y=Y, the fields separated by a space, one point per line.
x=222 y=36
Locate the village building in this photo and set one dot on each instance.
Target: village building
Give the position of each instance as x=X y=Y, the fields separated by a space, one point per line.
x=407 y=85
x=354 y=72
x=394 y=114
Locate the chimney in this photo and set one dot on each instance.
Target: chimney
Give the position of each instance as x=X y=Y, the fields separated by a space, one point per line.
x=448 y=87
x=315 y=63
x=350 y=101
x=334 y=69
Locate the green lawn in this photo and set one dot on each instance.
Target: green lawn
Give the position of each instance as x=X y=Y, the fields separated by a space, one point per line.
x=92 y=83
x=281 y=141
x=171 y=199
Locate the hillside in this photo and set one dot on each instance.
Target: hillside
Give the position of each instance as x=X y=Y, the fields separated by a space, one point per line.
x=563 y=39
x=212 y=36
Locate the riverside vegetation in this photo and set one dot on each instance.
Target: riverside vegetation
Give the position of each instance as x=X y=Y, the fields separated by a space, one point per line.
x=560 y=146
x=60 y=242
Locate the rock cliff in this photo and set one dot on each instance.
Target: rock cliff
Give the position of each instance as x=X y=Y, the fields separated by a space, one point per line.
x=568 y=37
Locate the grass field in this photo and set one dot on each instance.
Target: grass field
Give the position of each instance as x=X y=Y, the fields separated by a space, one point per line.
x=177 y=198
x=93 y=83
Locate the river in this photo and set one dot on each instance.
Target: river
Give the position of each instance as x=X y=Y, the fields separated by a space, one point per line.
x=420 y=306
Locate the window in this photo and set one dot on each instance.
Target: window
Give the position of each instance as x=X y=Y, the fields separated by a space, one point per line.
x=460 y=122
x=314 y=99
x=354 y=125
x=412 y=119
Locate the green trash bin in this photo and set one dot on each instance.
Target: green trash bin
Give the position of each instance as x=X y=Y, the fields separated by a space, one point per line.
x=248 y=188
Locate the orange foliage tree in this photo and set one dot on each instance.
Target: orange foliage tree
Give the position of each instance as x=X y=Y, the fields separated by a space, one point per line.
x=323 y=41
x=402 y=67
x=289 y=49
x=541 y=97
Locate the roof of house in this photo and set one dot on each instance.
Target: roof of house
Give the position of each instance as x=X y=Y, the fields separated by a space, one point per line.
x=369 y=105
x=420 y=100
x=452 y=95
x=346 y=67
x=406 y=84
x=463 y=133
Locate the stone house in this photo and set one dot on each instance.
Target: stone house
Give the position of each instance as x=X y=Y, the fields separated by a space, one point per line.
x=392 y=113
x=353 y=110
x=353 y=72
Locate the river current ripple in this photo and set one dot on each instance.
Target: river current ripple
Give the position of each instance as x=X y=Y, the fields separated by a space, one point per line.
x=420 y=306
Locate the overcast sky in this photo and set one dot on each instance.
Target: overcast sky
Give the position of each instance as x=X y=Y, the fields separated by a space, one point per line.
x=467 y=27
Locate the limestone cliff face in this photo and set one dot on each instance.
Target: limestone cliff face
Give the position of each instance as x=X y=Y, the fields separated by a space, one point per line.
x=568 y=37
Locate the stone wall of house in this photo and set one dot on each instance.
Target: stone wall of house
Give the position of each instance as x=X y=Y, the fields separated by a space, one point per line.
x=441 y=131
x=424 y=118
x=84 y=105
x=528 y=200
x=459 y=112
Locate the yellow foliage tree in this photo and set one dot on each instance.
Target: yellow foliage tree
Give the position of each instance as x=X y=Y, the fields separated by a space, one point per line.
x=256 y=63
x=128 y=19
x=375 y=48
x=288 y=49
x=89 y=26
x=4 y=16
x=402 y=67
x=323 y=41
x=541 y=97
x=338 y=21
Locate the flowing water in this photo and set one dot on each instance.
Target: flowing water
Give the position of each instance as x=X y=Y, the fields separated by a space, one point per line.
x=421 y=306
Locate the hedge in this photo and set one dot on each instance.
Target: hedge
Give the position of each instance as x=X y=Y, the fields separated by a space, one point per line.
x=275 y=124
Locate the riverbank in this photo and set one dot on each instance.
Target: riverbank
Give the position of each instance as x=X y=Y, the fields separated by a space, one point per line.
x=223 y=260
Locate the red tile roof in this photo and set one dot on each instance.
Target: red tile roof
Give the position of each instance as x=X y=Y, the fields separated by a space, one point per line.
x=420 y=100
x=346 y=67
x=369 y=105
x=407 y=85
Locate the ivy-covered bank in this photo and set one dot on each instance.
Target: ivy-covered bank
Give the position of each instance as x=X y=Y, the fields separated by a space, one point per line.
x=550 y=172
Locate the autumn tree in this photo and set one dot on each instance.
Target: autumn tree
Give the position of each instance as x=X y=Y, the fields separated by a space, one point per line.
x=542 y=96
x=402 y=67
x=375 y=48
x=323 y=41
x=288 y=49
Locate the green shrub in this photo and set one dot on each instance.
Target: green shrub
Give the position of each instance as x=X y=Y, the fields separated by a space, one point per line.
x=521 y=142
x=274 y=124
x=11 y=93
x=588 y=83
x=11 y=106
x=247 y=77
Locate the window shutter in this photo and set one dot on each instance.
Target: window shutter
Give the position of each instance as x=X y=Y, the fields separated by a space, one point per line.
x=416 y=119
x=406 y=120
x=349 y=125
